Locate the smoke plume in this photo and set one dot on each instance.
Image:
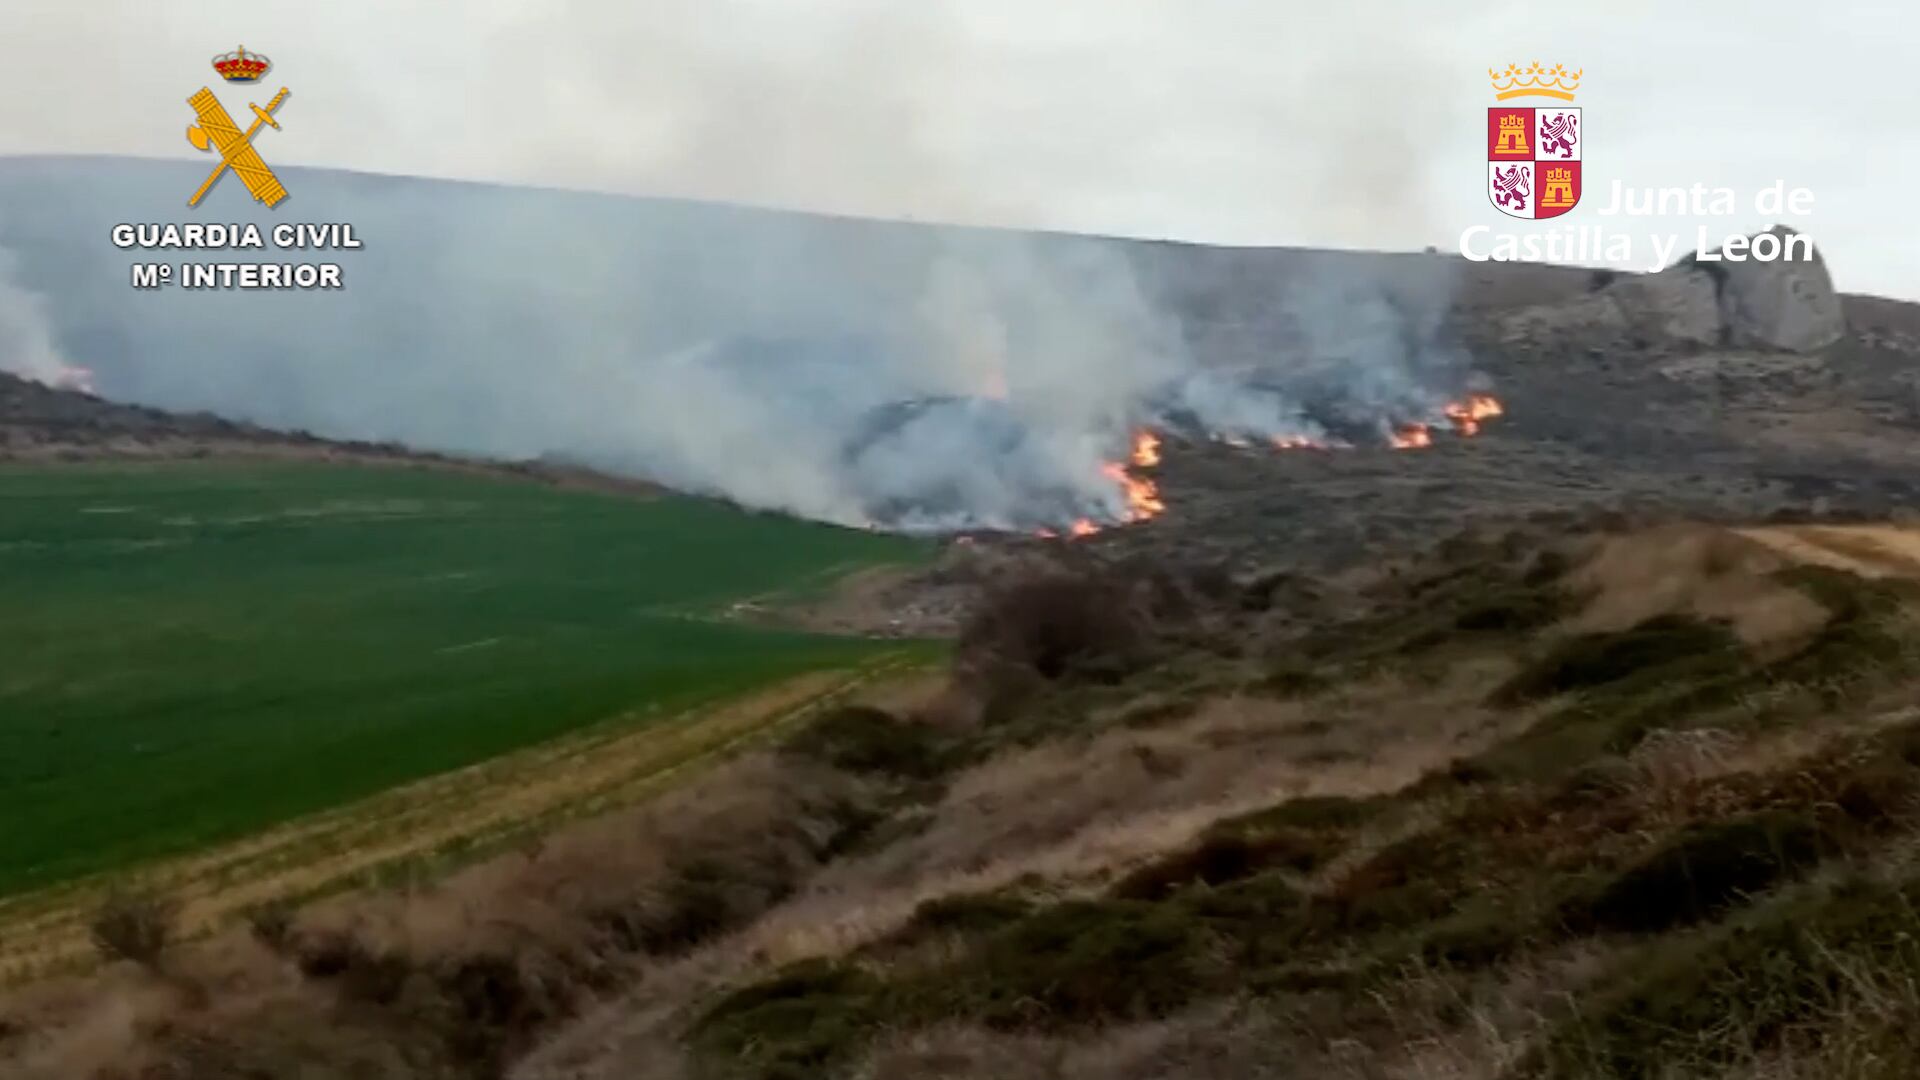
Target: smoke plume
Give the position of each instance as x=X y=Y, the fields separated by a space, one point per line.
x=26 y=337
x=911 y=377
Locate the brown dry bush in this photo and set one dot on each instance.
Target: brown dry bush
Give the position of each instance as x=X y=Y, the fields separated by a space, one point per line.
x=135 y=926
x=271 y=924
x=1057 y=626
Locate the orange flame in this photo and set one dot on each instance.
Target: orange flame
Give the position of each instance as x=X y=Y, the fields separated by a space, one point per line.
x=1142 y=495
x=1080 y=527
x=1411 y=437
x=1467 y=415
x=1146 y=449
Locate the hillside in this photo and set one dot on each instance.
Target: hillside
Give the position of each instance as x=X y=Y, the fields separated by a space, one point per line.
x=1574 y=737
x=1539 y=802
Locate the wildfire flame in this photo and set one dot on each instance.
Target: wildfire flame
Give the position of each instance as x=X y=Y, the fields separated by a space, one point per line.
x=1465 y=417
x=1146 y=450
x=1142 y=495
x=1411 y=437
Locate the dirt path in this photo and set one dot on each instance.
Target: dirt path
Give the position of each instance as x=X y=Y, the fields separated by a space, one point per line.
x=426 y=827
x=1869 y=550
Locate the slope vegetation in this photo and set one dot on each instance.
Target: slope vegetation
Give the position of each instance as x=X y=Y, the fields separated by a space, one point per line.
x=1562 y=800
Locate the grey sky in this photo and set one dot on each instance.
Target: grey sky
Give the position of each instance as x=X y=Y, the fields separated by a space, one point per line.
x=1235 y=121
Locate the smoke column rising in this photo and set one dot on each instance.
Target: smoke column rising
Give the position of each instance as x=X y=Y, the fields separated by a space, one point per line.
x=856 y=372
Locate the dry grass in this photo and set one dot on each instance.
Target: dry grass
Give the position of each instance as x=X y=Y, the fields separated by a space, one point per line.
x=1868 y=550
x=1692 y=570
x=1223 y=1042
x=1075 y=815
x=1087 y=811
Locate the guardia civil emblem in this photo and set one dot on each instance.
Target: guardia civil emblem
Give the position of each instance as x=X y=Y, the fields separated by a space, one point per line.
x=1534 y=151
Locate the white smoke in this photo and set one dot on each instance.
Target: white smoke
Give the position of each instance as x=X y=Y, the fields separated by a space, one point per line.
x=27 y=340
x=855 y=372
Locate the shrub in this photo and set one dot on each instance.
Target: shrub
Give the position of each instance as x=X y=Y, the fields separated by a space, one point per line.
x=1299 y=835
x=1084 y=961
x=1701 y=1000
x=707 y=896
x=862 y=739
x=1511 y=611
x=1588 y=661
x=1701 y=872
x=1222 y=858
x=802 y=1023
x=271 y=924
x=1058 y=627
x=965 y=913
x=134 y=926
x=1291 y=679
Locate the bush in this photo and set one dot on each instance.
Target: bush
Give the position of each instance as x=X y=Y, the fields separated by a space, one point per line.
x=1299 y=835
x=1291 y=679
x=1058 y=627
x=271 y=924
x=1588 y=661
x=1794 y=961
x=800 y=1024
x=1510 y=612
x=1701 y=872
x=1223 y=858
x=705 y=896
x=134 y=926
x=1083 y=961
x=965 y=913
x=862 y=739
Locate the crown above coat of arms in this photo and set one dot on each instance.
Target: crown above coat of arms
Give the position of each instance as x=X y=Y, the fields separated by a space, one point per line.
x=1535 y=79
x=241 y=65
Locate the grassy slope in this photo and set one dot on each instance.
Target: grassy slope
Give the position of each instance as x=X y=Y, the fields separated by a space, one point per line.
x=1741 y=915
x=191 y=650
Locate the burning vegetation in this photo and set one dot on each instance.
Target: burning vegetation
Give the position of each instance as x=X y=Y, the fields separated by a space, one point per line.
x=1463 y=417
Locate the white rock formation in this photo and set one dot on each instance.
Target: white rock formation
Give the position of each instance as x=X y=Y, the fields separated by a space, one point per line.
x=1785 y=306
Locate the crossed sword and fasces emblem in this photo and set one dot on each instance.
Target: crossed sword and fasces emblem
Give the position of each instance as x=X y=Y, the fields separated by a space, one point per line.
x=217 y=129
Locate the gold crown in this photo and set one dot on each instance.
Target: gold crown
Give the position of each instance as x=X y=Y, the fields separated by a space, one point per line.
x=241 y=65
x=1534 y=79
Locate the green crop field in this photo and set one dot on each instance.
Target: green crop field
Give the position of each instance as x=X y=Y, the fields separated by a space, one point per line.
x=192 y=650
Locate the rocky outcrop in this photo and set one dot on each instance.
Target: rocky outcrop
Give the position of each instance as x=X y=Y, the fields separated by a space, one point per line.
x=1781 y=305
x=1789 y=306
